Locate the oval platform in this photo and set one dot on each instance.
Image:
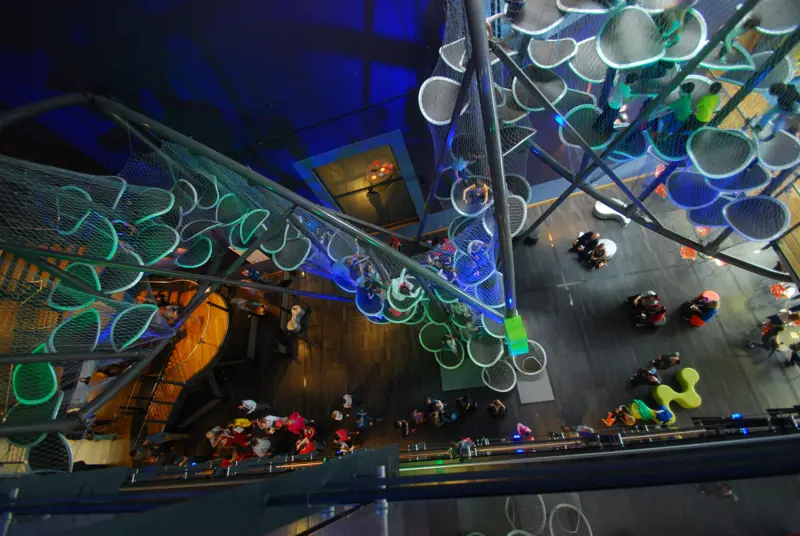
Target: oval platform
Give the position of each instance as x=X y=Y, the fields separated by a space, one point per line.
x=778 y=17
x=587 y=64
x=711 y=215
x=689 y=190
x=738 y=59
x=582 y=120
x=513 y=137
x=453 y=54
x=693 y=38
x=629 y=39
x=782 y=72
x=550 y=84
x=437 y=99
x=550 y=53
x=584 y=7
x=759 y=218
x=779 y=153
x=538 y=17
x=574 y=98
x=752 y=178
x=719 y=154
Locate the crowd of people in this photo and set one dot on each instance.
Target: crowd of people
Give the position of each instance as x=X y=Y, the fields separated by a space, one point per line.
x=591 y=251
x=266 y=435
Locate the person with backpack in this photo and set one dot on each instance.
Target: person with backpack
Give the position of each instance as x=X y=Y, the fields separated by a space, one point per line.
x=770 y=339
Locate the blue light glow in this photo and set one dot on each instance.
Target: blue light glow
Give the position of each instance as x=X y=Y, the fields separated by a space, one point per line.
x=745 y=431
x=516 y=436
x=560 y=120
x=736 y=416
x=520 y=450
x=194 y=463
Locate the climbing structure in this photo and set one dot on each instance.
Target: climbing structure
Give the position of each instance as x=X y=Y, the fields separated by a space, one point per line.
x=574 y=52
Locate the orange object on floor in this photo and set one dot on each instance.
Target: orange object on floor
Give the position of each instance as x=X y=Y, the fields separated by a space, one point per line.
x=710 y=295
x=688 y=253
x=696 y=321
x=780 y=290
x=661 y=190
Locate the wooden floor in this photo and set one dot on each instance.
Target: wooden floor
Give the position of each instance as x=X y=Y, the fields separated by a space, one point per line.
x=205 y=331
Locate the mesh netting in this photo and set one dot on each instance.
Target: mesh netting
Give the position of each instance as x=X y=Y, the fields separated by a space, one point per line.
x=566 y=519
x=599 y=70
x=527 y=512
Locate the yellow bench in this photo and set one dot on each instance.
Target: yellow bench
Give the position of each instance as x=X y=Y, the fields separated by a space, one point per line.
x=688 y=398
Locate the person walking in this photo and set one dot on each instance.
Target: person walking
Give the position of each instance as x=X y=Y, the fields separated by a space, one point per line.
x=497 y=408
x=770 y=339
x=619 y=95
x=524 y=432
x=249 y=406
x=681 y=110
x=788 y=105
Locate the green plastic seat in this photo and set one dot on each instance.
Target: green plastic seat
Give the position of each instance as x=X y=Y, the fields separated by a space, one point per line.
x=230 y=209
x=113 y=280
x=449 y=359
x=420 y=314
x=437 y=315
x=73 y=206
x=276 y=241
x=53 y=453
x=253 y=224
x=21 y=414
x=104 y=241
x=78 y=333
x=148 y=204
x=107 y=191
x=129 y=325
x=65 y=298
x=293 y=254
x=400 y=317
x=484 y=350
x=197 y=253
x=197 y=228
x=33 y=383
x=207 y=189
x=185 y=196
x=432 y=337
x=155 y=242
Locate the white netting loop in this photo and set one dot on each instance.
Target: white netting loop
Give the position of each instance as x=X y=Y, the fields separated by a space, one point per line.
x=499 y=377
x=533 y=362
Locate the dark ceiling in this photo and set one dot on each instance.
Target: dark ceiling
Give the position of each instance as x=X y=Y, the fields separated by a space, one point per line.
x=268 y=83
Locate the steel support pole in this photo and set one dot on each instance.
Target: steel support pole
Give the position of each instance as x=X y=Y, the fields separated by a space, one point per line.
x=413 y=268
x=376 y=228
x=150 y=145
x=786 y=233
x=769 y=189
x=554 y=205
x=265 y=235
x=494 y=148
x=308 y=234
x=783 y=49
x=20 y=113
x=685 y=71
x=660 y=179
x=168 y=273
x=128 y=376
x=531 y=87
x=461 y=99
x=67 y=278
x=558 y=167
x=66 y=357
